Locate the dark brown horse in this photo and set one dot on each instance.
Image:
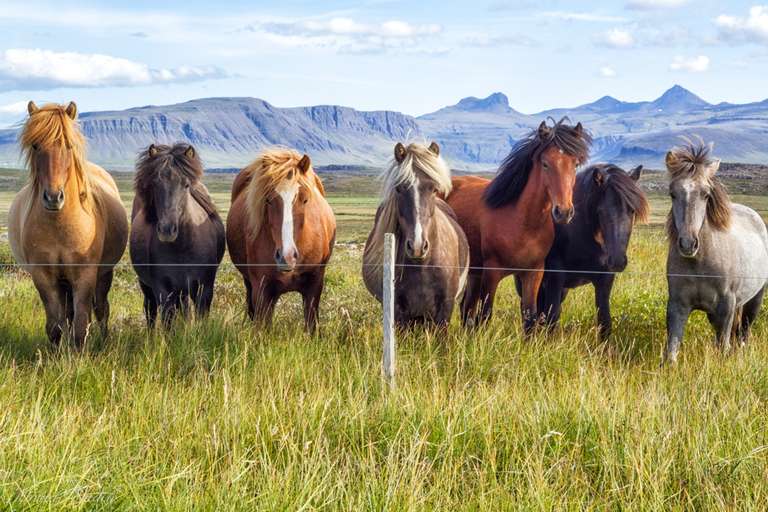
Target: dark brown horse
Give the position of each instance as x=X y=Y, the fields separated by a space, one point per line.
x=280 y=232
x=591 y=248
x=431 y=247
x=509 y=221
x=67 y=227
x=177 y=237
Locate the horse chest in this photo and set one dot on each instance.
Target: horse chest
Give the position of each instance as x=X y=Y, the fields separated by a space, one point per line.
x=418 y=291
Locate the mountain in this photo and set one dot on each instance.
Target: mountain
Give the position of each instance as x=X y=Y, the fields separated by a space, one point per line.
x=475 y=133
x=229 y=132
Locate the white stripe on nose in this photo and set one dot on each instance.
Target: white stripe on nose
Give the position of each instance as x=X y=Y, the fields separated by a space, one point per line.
x=417 y=230
x=287 y=193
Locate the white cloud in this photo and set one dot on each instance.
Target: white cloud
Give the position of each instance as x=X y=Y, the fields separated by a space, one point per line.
x=697 y=64
x=617 y=38
x=753 y=28
x=649 y=5
x=18 y=107
x=607 y=72
x=583 y=16
x=22 y=68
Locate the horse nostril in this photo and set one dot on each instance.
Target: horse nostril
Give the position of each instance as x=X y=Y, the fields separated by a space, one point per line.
x=426 y=246
x=278 y=255
x=409 y=245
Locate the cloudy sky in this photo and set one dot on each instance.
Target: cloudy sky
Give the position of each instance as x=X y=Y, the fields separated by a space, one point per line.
x=377 y=54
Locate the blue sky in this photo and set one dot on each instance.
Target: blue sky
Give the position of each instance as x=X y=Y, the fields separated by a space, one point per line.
x=413 y=57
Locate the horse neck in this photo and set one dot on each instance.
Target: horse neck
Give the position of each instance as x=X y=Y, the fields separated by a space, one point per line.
x=534 y=199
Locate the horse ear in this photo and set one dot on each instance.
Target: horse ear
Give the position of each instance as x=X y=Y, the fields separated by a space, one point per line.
x=32 y=108
x=670 y=160
x=579 y=129
x=543 y=129
x=152 y=150
x=399 y=152
x=636 y=172
x=714 y=167
x=304 y=164
x=72 y=110
x=434 y=148
x=190 y=152
x=599 y=177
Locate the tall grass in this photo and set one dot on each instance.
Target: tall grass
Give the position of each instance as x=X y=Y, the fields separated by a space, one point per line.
x=217 y=415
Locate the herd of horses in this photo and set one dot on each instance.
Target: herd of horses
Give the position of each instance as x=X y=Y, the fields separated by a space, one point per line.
x=457 y=237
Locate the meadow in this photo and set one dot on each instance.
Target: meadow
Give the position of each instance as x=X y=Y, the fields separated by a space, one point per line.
x=216 y=415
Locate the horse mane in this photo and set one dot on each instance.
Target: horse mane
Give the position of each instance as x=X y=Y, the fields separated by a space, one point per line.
x=419 y=162
x=50 y=126
x=514 y=171
x=621 y=183
x=160 y=158
x=264 y=175
x=693 y=160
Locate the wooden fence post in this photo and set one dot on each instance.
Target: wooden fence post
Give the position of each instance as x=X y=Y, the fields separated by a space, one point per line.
x=388 y=303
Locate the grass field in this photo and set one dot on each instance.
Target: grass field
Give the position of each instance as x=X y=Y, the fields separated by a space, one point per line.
x=215 y=415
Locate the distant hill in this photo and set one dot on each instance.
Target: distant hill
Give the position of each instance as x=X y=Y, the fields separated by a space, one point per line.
x=475 y=133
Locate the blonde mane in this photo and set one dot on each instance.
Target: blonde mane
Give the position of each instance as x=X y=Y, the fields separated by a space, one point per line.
x=48 y=127
x=266 y=173
x=419 y=163
x=693 y=160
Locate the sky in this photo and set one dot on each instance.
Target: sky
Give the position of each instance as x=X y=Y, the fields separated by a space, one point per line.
x=413 y=57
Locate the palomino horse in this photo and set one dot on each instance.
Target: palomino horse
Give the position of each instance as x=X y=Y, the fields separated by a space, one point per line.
x=431 y=247
x=509 y=221
x=174 y=227
x=718 y=251
x=67 y=227
x=280 y=232
x=592 y=247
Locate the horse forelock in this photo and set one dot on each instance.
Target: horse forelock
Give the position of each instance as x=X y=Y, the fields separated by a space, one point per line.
x=693 y=160
x=516 y=168
x=272 y=168
x=50 y=127
x=618 y=181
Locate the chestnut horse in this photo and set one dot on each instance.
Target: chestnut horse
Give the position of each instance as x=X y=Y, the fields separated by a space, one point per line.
x=67 y=227
x=280 y=232
x=509 y=221
x=431 y=247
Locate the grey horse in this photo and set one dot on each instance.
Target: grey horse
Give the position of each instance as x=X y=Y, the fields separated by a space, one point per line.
x=718 y=252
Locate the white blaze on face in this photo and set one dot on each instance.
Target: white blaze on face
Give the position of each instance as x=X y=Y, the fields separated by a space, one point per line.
x=417 y=229
x=287 y=192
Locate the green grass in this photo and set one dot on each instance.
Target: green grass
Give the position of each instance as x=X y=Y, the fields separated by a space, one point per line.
x=216 y=415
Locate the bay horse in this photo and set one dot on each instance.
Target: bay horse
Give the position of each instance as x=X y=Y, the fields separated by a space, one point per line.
x=718 y=251
x=509 y=221
x=67 y=227
x=430 y=245
x=593 y=246
x=174 y=227
x=280 y=233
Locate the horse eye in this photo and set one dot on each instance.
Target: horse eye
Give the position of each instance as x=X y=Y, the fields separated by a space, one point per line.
x=35 y=147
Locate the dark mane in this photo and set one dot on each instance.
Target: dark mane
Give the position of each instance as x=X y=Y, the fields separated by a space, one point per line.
x=619 y=182
x=160 y=157
x=513 y=173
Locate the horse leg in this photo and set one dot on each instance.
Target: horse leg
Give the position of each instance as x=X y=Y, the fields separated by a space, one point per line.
x=722 y=321
x=82 y=295
x=204 y=298
x=603 y=286
x=488 y=285
x=263 y=302
x=55 y=308
x=150 y=304
x=311 y=296
x=470 y=299
x=677 y=317
x=531 y=284
x=170 y=303
x=249 y=297
x=749 y=312
x=550 y=298
x=101 y=302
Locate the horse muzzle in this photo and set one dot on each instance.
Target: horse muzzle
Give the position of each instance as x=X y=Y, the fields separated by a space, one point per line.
x=53 y=201
x=167 y=233
x=688 y=247
x=416 y=253
x=562 y=215
x=286 y=262
x=616 y=263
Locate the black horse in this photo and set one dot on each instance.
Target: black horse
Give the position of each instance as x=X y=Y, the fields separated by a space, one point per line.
x=593 y=245
x=177 y=236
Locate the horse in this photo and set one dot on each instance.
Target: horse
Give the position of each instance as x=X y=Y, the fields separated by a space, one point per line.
x=718 y=251
x=174 y=227
x=431 y=247
x=280 y=233
x=509 y=221
x=67 y=227
x=593 y=247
